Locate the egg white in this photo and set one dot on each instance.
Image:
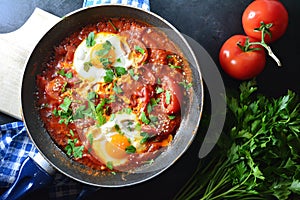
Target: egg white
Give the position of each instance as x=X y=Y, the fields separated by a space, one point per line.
x=83 y=55
x=102 y=137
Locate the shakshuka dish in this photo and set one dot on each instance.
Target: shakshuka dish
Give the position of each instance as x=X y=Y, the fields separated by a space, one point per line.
x=113 y=93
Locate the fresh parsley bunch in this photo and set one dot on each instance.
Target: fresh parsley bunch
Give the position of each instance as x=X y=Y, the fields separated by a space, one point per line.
x=258 y=153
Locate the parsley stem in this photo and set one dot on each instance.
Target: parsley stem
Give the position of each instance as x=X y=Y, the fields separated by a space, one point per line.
x=231 y=189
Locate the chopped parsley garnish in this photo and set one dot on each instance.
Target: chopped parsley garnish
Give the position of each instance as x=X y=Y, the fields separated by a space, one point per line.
x=120 y=71
x=79 y=112
x=87 y=66
x=153 y=118
x=149 y=162
x=174 y=66
x=168 y=97
x=109 y=165
x=71 y=132
x=186 y=85
x=169 y=56
x=105 y=62
x=130 y=149
x=138 y=127
x=93 y=111
x=134 y=76
x=65 y=112
x=154 y=101
x=99 y=111
x=63 y=88
x=90 y=138
x=106 y=47
x=112 y=117
x=109 y=76
x=158 y=81
x=73 y=150
x=117 y=89
x=149 y=107
x=145 y=138
x=112 y=24
x=92 y=95
x=127 y=110
x=159 y=90
x=144 y=118
x=63 y=73
x=139 y=49
x=117 y=128
x=111 y=99
x=171 y=117
x=90 y=40
x=66 y=104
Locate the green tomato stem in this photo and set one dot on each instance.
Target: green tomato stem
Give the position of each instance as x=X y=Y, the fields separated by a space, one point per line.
x=269 y=50
x=264 y=28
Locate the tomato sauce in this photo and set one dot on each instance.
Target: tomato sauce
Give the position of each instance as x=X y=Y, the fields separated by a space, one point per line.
x=153 y=89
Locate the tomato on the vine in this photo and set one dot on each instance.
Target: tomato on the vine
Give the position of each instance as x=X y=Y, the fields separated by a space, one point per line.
x=268 y=14
x=242 y=60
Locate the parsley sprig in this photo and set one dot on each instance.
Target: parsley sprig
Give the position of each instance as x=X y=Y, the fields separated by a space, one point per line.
x=64 y=112
x=258 y=154
x=73 y=150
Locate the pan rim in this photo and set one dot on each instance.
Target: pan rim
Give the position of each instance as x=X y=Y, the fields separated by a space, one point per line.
x=200 y=107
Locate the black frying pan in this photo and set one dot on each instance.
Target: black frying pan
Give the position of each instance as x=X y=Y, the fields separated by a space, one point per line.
x=54 y=155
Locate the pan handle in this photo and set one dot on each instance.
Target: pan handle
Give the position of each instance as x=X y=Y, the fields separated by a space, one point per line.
x=31 y=177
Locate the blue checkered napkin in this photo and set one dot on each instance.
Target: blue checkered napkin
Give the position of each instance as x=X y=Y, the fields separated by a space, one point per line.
x=144 y=4
x=16 y=146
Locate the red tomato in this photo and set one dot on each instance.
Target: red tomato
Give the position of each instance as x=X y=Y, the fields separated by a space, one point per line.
x=141 y=96
x=241 y=64
x=172 y=96
x=267 y=11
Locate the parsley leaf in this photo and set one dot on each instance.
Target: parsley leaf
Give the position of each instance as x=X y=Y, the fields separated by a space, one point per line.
x=73 y=150
x=90 y=40
x=168 y=97
x=159 y=90
x=120 y=71
x=186 y=85
x=144 y=118
x=130 y=149
x=174 y=66
x=87 y=66
x=65 y=112
x=109 y=165
x=145 y=138
x=106 y=47
x=109 y=76
x=66 y=104
x=117 y=89
x=134 y=76
x=139 y=49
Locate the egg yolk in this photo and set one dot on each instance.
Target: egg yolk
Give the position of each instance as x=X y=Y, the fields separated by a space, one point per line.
x=117 y=145
x=103 y=55
x=120 y=141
